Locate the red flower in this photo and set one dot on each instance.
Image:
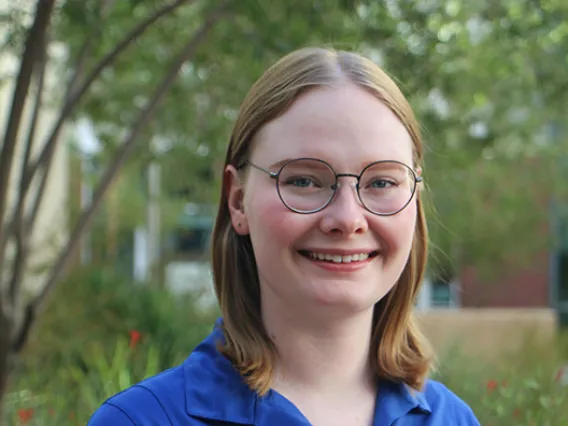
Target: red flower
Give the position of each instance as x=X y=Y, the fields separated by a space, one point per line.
x=517 y=413
x=559 y=375
x=25 y=415
x=492 y=385
x=135 y=337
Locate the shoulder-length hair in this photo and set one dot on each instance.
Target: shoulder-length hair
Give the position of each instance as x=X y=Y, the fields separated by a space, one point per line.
x=399 y=352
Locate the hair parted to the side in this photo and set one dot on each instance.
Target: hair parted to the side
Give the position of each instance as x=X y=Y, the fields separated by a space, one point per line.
x=399 y=351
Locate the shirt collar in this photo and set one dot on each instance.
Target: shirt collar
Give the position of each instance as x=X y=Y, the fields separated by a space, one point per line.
x=395 y=400
x=215 y=390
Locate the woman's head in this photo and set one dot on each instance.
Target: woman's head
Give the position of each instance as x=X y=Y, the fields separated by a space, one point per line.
x=293 y=240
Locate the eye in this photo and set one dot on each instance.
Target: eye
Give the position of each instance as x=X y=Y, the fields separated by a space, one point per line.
x=381 y=184
x=301 y=182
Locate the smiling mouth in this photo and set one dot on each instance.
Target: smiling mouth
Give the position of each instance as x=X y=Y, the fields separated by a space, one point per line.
x=336 y=258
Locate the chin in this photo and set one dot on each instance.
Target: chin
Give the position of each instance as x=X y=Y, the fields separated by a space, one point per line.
x=346 y=301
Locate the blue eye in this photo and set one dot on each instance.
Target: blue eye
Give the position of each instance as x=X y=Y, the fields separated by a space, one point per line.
x=381 y=184
x=301 y=182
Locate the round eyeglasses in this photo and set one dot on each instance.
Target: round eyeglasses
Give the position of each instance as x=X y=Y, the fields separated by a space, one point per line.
x=308 y=185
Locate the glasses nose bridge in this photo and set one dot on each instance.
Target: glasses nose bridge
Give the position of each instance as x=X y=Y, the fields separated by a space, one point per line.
x=338 y=183
x=354 y=185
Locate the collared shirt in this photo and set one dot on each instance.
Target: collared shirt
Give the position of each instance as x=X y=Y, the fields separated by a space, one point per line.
x=207 y=391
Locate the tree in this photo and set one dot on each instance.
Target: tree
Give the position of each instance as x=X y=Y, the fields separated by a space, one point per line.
x=17 y=315
x=487 y=82
x=482 y=115
x=117 y=78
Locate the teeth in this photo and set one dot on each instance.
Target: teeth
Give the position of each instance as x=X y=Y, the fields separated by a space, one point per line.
x=336 y=258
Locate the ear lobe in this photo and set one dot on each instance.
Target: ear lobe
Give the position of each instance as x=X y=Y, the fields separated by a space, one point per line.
x=235 y=200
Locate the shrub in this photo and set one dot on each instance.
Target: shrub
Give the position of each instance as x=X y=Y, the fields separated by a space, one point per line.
x=71 y=394
x=98 y=306
x=77 y=337
x=524 y=389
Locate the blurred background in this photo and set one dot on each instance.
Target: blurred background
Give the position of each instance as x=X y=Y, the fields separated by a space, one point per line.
x=116 y=115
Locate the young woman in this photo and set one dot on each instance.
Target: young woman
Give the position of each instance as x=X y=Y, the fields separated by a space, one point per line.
x=319 y=249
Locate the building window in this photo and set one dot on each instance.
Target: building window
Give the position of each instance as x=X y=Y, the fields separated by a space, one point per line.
x=441 y=293
x=438 y=293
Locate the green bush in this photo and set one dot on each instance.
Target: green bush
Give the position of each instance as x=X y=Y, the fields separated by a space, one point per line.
x=518 y=393
x=71 y=394
x=78 y=334
x=524 y=389
x=98 y=306
x=102 y=334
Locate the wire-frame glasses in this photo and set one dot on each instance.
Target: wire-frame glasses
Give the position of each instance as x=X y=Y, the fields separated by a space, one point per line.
x=308 y=185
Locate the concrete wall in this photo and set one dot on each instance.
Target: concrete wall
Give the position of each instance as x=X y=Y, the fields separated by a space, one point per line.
x=488 y=334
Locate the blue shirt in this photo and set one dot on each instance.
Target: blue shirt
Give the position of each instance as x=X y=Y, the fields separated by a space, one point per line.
x=207 y=391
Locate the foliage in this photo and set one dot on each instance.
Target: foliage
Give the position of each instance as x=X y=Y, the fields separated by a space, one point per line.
x=488 y=122
x=524 y=390
x=97 y=305
x=487 y=80
x=70 y=393
x=37 y=51
x=527 y=388
x=101 y=335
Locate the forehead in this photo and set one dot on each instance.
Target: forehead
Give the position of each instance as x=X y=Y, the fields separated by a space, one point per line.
x=346 y=126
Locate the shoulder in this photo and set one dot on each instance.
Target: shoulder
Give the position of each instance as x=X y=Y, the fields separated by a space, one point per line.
x=444 y=402
x=155 y=400
x=110 y=414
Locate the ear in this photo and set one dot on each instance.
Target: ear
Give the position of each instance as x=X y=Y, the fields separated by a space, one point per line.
x=235 y=200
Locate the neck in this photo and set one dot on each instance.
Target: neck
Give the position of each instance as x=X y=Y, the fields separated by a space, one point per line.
x=325 y=356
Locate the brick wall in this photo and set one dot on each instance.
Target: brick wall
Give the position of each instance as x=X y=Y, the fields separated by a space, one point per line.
x=517 y=285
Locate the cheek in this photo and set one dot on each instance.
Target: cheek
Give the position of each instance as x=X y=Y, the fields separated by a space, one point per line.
x=398 y=231
x=272 y=226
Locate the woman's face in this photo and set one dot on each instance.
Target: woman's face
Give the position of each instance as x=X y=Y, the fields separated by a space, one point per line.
x=348 y=128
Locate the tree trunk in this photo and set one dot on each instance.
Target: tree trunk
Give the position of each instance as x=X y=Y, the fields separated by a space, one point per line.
x=13 y=332
x=34 y=43
x=77 y=88
x=5 y=355
x=66 y=255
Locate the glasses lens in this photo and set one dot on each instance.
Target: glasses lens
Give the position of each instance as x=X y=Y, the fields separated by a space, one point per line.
x=386 y=187
x=306 y=185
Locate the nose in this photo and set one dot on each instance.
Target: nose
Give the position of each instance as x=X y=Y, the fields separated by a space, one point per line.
x=345 y=214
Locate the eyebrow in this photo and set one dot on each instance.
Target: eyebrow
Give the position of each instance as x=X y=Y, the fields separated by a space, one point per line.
x=280 y=163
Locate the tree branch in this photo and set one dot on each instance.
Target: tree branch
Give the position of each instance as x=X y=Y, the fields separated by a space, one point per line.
x=74 y=97
x=33 y=48
x=39 y=70
x=18 y=224
x=126 y=147
x=84 y=53
x=87 y=47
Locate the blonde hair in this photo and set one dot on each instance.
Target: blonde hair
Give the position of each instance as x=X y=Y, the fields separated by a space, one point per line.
x=399 y=351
